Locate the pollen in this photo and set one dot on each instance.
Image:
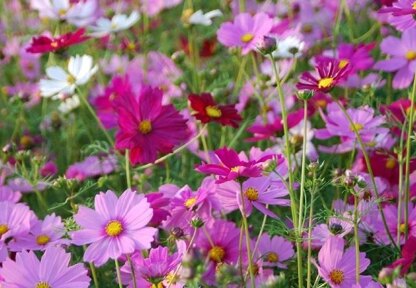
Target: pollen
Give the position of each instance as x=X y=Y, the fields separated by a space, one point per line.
x=326 y=82
x=336 y=276
x=71 y=79
x=43 y=239
x=402 y=228
x=252 y=194
x=343 y=63
x=145 y=127
x=62 y=12
x=113 y=228
x=356 y=127
x=235 y=169
x=213 y=111
x=410 y=55
x=414 y=5
x=171 y=278
x=390 y=163
x=3 y=229
x=190 y=202
x=42 y=285
x=216 y=254
x=321 y=103
x=247 y=37
x=272 y=257
x=54 y=44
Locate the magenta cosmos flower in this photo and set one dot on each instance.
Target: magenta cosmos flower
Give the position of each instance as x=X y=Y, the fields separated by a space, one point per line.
x=275 y=250
x=246 y=31
x=117 y=226
x=52 y=270
x=329 y=72
x=228 y=166
x=147 y=127
x=337 y=267
x=403 y=56
x=401 y=14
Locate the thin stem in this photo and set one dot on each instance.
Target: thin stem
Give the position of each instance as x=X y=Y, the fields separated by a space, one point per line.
x=370 y=171
x=94 y=275
x=293 y=203
x=356 y=241
x=133 y=271
x=309 y=264
x=127 y=160
x=303 y=167
x=120 y=285
x=247 y=234
x=408 y=155
x=263 y=224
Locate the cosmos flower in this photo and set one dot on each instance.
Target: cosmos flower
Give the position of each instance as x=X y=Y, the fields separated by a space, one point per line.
x=335 y=227
x=288 y=47
x=7 y=194
x=199 y=18
x=15 y=220
x=80 y=70
x=92 y=166
x=246 y=31
x=228 y=165
x=44 y=44
x=408 y=255
x=119 y=22
x=208 y=111
x=402 y=60
x=337 y=267
x=53 y=270
x=401 y=14
x=116 y=227
x=147 y=127
x=275 y=250
x=328 y=75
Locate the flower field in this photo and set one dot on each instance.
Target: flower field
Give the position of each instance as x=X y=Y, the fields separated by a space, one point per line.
x=192 y=143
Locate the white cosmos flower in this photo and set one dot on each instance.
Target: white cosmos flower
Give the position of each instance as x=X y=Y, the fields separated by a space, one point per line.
x=289 y=47
x=204 y=19
x=80 y=70
x=119 y=22
x=68 y=104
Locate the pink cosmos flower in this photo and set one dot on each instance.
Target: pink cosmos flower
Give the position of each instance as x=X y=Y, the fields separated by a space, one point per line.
x=336 y=227
x=228 y=165
x=15 y=220
x=403 y=56
x=92 y=166
x=7 y=194
x=116 y=227
x=52 y=270
x=337 y=267
x=148 y=127
x=275 y=250
x=246 y=31
x=160 y=206
x=401 y=14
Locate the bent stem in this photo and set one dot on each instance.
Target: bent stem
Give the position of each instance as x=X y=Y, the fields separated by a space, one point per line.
x=408 y=154
x=370 y=171
x=133 y=271
x=247 y=235
x=293 y=202
x=120 y=285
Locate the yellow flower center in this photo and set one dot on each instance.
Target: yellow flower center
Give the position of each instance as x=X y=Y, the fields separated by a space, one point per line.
x=321 y=103
x=411 y=55
x=145 y=127
x=235 y=169
x=390 y=163
x=414 y=5
x=272 y=257
x=54 y=44
x=402 y=228
x=171 y=278
x=3 y=229
x=213 y=111
x=343 y=63
x=247 y=37
x=336 y=276
x=131 y=46
x=113 y=228
x=158 y=285
x=190 y=202
x=42 y=239
x=252 y=194
x=216 y=254
x=356 y=127
x=326 y=82
x=42 y=285
x=62 y=12
x=71 y=79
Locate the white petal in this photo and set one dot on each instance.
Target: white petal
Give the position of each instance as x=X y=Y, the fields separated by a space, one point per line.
x=56 y=73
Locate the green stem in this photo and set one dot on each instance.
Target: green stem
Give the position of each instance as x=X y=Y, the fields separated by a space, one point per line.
x=94 y=275
x=127 y=160
x=408 y=155
x=120 y=285
x=309 y=264
x=247 y=235
x=356 y=241
x=293 y=202
x=133 y=271
x=303 y=167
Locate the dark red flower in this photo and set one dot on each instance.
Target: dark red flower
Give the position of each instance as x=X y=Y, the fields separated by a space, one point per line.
x=328 y=74
x=207 y=110
x=44 y=44
x=408 y=256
